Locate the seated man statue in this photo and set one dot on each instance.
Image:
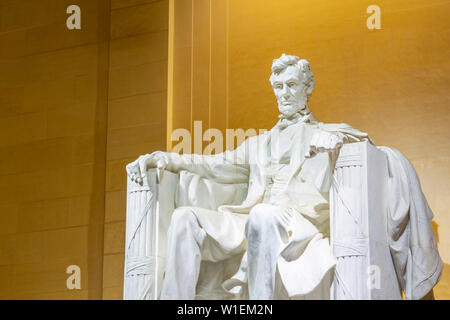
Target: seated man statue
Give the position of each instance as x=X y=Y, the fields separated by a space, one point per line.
x=282 y=227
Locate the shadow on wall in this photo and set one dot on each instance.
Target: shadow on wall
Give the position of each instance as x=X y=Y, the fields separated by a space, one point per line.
x=435 y=227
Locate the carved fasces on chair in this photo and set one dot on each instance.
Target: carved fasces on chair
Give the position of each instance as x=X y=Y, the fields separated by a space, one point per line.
x=358 y=208
x=149 y=208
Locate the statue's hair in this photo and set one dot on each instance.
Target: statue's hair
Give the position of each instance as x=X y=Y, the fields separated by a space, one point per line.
x=280 y=64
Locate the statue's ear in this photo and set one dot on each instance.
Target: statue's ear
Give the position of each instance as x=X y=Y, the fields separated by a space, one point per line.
x=310 y=86
x=307 y=75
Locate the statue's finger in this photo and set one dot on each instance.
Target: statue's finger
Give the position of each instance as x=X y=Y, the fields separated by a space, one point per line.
x=311 y=152
x=323 y=142
x=314 y=139
x=328 y=144
x=333 y=142
x=143 y=167
x=161 y=163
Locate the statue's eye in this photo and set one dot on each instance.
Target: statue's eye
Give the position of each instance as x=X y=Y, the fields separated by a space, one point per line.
x=278 y=86
x=291 y=84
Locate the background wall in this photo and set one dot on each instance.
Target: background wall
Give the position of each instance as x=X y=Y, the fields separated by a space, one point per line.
x=198 y=66
x=136 y=114
x=75 y=107
x=53 y=99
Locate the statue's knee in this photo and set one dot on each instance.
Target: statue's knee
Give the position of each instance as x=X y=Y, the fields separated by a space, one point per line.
x=182 y=217
x=260 y=217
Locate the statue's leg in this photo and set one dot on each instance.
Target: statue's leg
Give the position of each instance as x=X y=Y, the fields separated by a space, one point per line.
x=266 y=230
x=185 y=240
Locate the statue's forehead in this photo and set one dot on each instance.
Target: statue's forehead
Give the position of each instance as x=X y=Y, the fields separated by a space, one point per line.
x=288 y=73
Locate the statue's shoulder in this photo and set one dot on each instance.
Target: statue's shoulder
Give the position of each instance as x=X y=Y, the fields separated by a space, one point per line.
x=334 y=126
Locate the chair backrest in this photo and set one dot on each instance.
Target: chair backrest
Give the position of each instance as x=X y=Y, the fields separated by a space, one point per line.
x=358 y=230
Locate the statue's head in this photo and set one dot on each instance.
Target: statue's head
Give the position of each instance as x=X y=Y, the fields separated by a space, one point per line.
x=292 y=82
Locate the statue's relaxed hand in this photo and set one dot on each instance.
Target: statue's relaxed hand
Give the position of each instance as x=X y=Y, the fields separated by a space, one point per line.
x=137 y=169
x=324 y=141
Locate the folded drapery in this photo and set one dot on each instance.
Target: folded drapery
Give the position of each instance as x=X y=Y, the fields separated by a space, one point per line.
x=411 y=240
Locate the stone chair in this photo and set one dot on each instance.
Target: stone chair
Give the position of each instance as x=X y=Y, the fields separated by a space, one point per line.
x=358 y=236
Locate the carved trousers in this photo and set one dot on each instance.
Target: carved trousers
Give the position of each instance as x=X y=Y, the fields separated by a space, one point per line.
x=266 y=228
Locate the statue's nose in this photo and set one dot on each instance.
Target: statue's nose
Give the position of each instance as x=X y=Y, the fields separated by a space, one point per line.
x=286 y=94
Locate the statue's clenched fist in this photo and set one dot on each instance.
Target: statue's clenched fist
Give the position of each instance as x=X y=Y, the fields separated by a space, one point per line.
x=137 y=169
x=324 y=141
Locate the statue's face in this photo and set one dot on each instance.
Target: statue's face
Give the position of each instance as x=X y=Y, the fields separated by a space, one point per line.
x=290 y=91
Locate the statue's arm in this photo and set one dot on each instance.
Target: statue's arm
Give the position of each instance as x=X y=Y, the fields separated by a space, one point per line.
x=227 y=167
x=230 y=166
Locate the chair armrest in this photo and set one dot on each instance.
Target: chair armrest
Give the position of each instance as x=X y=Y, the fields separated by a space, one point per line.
x=149 y=210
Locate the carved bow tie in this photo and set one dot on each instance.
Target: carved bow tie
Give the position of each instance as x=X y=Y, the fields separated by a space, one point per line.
x=297 y=117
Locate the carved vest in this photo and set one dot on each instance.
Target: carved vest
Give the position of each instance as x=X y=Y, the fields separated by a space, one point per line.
x=276 y=171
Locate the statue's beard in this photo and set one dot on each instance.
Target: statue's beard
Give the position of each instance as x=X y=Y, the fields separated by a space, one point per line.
x=290 y=109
